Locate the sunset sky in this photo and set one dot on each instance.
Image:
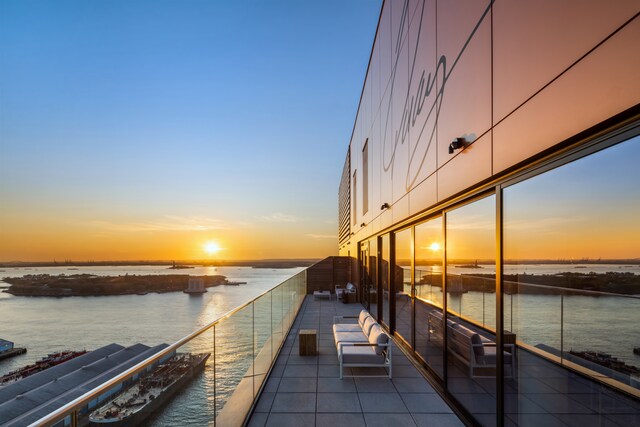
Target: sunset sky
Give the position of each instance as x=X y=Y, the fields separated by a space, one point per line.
x=176 y=130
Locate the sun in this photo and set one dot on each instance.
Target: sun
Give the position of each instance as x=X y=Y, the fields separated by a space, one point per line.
x=211 y=248
x=435 y=246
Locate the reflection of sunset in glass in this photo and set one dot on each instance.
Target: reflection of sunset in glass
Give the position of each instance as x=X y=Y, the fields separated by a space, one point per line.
x=212 y=248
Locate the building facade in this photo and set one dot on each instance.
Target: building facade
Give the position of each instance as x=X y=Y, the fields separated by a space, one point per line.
x=491 y=197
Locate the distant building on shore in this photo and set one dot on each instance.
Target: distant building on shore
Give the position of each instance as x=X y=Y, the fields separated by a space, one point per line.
x=196 y=286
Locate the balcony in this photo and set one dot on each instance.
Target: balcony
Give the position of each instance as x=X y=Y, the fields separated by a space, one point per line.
x=253 y=375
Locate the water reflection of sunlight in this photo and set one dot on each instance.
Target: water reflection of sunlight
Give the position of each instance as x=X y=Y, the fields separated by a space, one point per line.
x=210 y=270
x=213 y=308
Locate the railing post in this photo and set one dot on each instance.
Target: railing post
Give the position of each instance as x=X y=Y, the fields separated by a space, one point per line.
x=562 y=328
x=483 y=322
x=253 y=350
x=271 y=323
x=215 y=379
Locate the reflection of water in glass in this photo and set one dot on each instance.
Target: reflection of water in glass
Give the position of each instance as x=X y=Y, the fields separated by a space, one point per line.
x=605 y=323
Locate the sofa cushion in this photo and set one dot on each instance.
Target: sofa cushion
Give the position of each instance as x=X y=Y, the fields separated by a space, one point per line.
x=490 y=358
x=346 y=327
x=363 y=316
x=377 y=336
x=349 y=337
x=478 y=347
x=361 y=355
x=368 y=324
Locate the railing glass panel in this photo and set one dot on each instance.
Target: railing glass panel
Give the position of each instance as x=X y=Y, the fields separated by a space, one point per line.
x=210 y=377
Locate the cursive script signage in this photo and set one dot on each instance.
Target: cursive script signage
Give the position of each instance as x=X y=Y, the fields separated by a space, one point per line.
x=422 y=105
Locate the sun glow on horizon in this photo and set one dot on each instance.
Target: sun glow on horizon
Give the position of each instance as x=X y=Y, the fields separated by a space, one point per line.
x=435 y=246
x=211 y=247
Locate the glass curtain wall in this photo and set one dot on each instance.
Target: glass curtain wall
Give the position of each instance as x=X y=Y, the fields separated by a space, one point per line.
x=471 y=306
x=571 y=285
x=429 y=245
x=373 y=277
x=365 y=279
x=384 y=278
x=402 y=283
x=570 y=294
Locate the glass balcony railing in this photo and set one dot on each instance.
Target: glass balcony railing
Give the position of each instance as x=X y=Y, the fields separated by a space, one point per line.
x=210 y=377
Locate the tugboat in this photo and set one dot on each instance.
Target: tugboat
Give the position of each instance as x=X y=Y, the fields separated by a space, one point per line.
x=147 y=395
x=52 y=359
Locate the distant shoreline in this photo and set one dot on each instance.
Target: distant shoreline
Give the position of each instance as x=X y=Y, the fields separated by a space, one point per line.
x=276 y=263
x=45 y=285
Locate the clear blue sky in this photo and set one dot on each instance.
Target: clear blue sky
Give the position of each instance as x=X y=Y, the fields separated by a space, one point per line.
x=128 y=125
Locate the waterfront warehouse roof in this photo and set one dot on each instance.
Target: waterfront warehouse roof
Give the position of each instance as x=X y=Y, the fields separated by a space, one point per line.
x=52 y=388
x=39 y=379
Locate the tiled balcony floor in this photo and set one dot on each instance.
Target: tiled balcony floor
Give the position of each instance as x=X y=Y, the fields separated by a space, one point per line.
x=307 y=390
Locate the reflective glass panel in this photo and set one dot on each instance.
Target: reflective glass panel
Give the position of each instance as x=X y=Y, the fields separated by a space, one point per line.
x=572 y=280
x=429 y=252
x=372 y=278
x=471 y=306
x=384 y=277
x=402 y=284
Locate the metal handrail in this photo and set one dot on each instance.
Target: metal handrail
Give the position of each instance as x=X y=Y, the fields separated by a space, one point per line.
x=63 y=411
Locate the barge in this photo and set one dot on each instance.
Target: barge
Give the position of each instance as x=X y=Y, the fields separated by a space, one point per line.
x=148 y=395
x=52 y=359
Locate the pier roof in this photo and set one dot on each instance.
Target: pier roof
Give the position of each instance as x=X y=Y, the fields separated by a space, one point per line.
x=35 y=396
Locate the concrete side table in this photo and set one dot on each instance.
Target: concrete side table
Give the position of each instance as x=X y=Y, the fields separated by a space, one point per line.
x=308 y=339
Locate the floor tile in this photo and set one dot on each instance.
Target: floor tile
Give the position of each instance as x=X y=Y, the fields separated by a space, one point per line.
x=338 y=402
x=404 y=371
x=336 y=385
x=413 y=385
x=272 y=385
x=425 y=403
x=291 y=420
x=298 y=385
x=340 y=420
x=296 y=359
x=374 y=385
x=559 y=404
x=382 y=403
x=437 y=420
x=308 y=371
x=294 y=402
x=477 y=403
x=265 y=402
x=258 y=420
x=588 y=420
x=536 y=420
x=332 y=371
x=389 y=420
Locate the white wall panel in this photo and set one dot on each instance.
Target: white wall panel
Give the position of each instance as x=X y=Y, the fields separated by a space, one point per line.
x=464 y=39
x=423 y=195
x=534 y=41
x=601 y=85
x=422 y=102
x=384 y=47
x=399 y=142
x=476 y=84
x=466 y=169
